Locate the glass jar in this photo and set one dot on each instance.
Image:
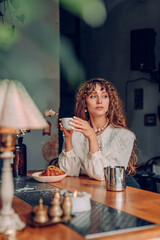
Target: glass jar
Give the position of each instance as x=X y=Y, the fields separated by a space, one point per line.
x=19 y=163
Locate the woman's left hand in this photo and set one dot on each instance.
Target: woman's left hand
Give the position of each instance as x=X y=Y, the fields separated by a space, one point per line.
x=83 y=126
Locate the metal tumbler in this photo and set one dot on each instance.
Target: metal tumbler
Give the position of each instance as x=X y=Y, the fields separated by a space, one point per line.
x=115 y=178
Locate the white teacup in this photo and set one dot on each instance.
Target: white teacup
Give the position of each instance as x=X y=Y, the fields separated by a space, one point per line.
x=66 y=123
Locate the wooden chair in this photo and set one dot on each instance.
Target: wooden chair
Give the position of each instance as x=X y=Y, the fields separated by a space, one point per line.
x=145 y=174
x=54 y=162
x=152 y=166
x=155 y=181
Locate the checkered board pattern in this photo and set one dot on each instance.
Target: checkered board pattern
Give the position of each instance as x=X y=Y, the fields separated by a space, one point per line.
x=100 y=221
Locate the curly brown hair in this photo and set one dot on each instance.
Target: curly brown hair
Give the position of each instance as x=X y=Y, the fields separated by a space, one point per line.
x=115 y=112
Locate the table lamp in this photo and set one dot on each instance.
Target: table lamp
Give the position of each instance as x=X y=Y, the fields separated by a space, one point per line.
x=17 y=111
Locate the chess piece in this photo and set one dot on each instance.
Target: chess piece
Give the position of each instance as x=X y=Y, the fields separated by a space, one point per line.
x=41 y=214
x=57 y=195
x=55 y=210
x=67 y=207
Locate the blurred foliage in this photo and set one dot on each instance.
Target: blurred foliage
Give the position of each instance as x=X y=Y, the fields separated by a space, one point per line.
x=93 y=12
x=8 y=35
x=70 y=65
x=24 y=20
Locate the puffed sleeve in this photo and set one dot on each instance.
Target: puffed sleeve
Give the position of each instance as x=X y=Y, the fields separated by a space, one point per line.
x=115 y=152
x=69 y=162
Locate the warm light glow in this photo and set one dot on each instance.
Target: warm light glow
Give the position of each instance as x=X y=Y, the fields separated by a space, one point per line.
x=7 y=130
x=75 y=193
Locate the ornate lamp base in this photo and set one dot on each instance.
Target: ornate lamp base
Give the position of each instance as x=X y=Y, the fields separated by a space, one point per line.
x=11 y=222
x=8 y=218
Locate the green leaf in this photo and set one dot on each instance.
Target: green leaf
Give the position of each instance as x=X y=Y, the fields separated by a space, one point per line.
x=93 y=12
x=8 y=35
x=21 y=18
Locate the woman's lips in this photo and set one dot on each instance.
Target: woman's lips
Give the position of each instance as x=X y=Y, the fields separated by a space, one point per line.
x=99 y=108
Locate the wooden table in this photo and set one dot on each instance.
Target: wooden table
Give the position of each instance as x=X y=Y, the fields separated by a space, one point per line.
x=140 y=203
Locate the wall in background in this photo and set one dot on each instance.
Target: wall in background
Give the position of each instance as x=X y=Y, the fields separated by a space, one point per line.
x=148 y=137
x=105 y=52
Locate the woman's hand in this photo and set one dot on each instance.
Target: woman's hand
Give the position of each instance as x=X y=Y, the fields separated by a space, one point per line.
x=83 y=126
x=68 y=137
x=67 y=133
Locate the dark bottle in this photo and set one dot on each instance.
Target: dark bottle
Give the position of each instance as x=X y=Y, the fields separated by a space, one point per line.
x=19 y=163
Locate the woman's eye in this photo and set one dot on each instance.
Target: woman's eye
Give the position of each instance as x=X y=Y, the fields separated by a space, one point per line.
x=92 y=96
x=105 y=96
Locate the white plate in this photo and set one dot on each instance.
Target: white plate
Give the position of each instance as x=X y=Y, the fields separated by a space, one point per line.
x=39 y=178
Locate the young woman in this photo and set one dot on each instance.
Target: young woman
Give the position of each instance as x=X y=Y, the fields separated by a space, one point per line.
x=99 y=137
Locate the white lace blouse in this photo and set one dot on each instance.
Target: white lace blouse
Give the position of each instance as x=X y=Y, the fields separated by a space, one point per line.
x=115 y=147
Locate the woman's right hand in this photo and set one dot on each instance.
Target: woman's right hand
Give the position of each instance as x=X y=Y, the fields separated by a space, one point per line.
x=67 y=133
x=68 y=137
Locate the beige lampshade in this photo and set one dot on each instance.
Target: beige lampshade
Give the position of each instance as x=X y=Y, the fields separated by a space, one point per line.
x=17 y=109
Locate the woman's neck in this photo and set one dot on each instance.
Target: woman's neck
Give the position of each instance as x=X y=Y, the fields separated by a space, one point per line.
x=99 y=122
